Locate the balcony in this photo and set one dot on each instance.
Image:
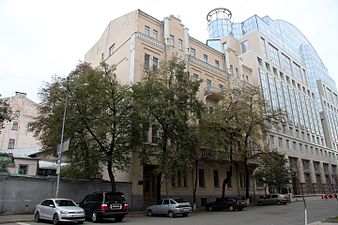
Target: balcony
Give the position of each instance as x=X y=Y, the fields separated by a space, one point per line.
x=150 y=40
x=208 y=67
x=213 y=92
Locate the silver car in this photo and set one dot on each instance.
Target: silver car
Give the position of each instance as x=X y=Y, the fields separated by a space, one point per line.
x=170 y=207
x=59 y=210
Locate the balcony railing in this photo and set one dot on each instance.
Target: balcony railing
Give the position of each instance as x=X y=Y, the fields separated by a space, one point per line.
x=207 y=66
x=150 y=40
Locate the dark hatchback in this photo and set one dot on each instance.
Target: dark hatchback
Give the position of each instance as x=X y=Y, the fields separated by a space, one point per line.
x=226 y=203
x=104 y=205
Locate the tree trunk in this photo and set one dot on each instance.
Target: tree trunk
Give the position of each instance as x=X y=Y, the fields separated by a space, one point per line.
x=195 y=185
x=111 y=175
x=247 y=179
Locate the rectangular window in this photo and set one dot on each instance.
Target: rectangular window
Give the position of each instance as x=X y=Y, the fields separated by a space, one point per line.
x=193 y=52
x=260 y=61
x=205 y=57
x=179 y=178
x=15 y=125
x=242 y=180
x=195 y=76
x=172 y=40
x=216 y=63
x=11 y=143
x=146 y=30
x=180 y=44
x=155 y=63
x=23 y=169
x=208 y=84
x=280 y=142
x=146 y=61
x=155 y=34
x=111 y=49
x=153 y=134
x=221 y=88
x=29 y=127
x=201 y=180
x=216 y=180
x=244 y=46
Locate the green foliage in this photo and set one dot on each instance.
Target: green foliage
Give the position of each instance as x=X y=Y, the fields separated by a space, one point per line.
x=272 y=170
x=6 y=160
x=166 y=101
x=5 y=112
x=97 y=122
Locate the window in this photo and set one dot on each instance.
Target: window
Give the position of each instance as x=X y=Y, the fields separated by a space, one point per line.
x=146 y=30
x=23 y=169
x=29 y=127
x=179 y=178
x=208 y=84
x=146 y=61
x=153 y=134
x=172 y=40
x=17 y=113
x=111 y=49
x=242 y=180
x=216 y=180
x=271 y=140
x=288 y=145
x=155 y=63
x=193 y=52
x=15 y=125
x=244 y=46
x=195 y=76
x=180 y=44
x=155 y=34
x=280 y=142
x=201 y=180
x=216 y=63
x=11 y=143
x=260 y=62
x=221 y=88
x=205 y=57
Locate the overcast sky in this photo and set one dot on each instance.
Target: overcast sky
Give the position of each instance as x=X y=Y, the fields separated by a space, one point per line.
x=41 y=38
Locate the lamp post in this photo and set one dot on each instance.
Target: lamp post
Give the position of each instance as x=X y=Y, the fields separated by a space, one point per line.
x=58 y=170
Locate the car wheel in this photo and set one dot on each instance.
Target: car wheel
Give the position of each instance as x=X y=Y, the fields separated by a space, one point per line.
x=260 y=203
x=55 y=219
x=94 y=217
x=118 y=219
x=231 y=208
x=209 y=208
x=185 y=214
x=279 y=202
x=149 y=212
x=37 y=217
x=171 y=214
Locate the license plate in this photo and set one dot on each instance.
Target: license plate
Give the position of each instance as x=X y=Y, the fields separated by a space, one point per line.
x=115 y=206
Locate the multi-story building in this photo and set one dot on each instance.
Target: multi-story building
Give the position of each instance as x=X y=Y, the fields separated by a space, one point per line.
x=293 y=78
x=257 y=51
x=17 y=137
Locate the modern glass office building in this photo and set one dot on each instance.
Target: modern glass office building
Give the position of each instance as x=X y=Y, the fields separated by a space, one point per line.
x=292 y=77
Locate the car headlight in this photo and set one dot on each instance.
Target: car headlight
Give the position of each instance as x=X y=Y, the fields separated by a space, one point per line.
x=63 y=212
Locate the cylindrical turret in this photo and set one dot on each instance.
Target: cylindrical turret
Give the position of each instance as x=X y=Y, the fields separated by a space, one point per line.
x=219 y=22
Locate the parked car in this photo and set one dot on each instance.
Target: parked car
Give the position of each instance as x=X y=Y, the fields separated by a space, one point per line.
x=59 y=210
x=103 y=205
x=226 y=203
x=273 y=199
x=170 y=207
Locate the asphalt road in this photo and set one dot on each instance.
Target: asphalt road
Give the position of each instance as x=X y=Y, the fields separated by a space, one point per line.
x=291 y=214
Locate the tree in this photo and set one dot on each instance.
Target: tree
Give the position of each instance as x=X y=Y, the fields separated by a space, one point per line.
x=241 y=126
x=272 y=170
x=168 y=103
x=98 y=119
x=5 y=113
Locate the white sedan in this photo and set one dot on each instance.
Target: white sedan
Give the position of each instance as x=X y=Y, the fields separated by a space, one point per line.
x=59 y=210
x=170 y=207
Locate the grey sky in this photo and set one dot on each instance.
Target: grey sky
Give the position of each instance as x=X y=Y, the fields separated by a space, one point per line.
x=41 y=38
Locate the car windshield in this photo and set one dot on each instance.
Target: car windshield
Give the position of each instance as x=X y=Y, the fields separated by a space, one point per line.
x=65 y=203
x=111 y=197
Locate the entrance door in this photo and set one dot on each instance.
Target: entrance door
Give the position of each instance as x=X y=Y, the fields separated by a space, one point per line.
x=151 y=184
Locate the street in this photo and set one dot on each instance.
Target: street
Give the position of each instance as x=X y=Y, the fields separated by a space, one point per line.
x=291 y=214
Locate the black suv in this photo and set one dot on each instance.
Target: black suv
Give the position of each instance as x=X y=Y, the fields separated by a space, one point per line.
x=101 y=205
x=226 y=203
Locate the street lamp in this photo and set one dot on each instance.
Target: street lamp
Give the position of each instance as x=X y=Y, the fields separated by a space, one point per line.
x=58 y=170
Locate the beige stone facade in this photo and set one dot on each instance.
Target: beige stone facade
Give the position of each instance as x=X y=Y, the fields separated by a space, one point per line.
x=137 y=41
x=17 y=137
